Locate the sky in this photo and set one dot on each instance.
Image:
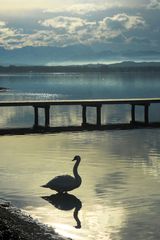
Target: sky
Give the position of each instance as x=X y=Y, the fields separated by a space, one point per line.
x=103 y=25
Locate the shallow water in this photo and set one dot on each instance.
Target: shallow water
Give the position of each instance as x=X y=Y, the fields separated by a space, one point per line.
x=120 y=170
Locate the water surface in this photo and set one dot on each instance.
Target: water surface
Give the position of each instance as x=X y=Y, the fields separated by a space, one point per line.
x=77 y=86
x=120 y=190
x=120 y=170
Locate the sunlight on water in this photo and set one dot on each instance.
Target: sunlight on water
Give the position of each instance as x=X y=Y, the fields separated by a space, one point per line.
x=120 y=173
x=28 y=96
x=77 y=86
x=119 y=198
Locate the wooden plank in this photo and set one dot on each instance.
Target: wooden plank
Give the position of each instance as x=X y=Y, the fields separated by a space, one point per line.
x=97 y=103
x=87 y=102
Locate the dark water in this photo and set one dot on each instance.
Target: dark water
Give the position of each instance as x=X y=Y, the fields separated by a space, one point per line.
x=120 y=170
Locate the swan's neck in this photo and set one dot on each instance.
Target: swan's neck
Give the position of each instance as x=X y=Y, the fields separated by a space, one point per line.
x=75 y=171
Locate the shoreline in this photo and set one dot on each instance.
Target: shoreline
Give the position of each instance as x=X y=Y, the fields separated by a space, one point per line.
x=125 y=66
x=16 y=225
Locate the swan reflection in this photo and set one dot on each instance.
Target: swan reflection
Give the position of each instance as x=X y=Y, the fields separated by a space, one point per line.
x=66 y=202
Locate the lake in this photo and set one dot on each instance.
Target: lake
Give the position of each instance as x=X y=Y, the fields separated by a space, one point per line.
x=119 y=198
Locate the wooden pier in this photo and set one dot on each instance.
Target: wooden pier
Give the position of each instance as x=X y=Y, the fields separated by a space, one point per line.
x=95 y=103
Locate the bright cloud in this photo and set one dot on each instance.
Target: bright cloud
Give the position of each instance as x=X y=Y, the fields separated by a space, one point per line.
x=107 y=28
x=122 y=21
x=8 y=36
x=88 y=32
x=13 y=38
x=2 y=24
x=118 y=24
x=63 y=31
x=69 y=24
x=70 y=30
x=154 y=4
x=82 y=9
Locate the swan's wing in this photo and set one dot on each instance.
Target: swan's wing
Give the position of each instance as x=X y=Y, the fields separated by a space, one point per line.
x=63 y=179
x=62 y=183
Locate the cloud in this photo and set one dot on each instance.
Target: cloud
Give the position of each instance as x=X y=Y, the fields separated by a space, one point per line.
x=71 y=29
x=138 y=40
x=154 y=4
x=86 y=8
x=8 y=36
x=103 y=25
x=69 y=24
x=122 y=22
x=49 y=38
x=11 y=38
x=81 y=9
x=92 y=31
x=63 y=31
x=2 y=24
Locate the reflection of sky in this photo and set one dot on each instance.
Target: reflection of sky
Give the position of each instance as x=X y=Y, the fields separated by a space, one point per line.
x=120 y=173
x=120 y=169
x=77 y=86
x=72 y=116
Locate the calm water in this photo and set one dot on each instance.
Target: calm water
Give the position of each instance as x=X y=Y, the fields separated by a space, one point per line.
x=120 y=170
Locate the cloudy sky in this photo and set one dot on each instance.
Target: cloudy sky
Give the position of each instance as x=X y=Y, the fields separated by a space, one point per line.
x=101 y=24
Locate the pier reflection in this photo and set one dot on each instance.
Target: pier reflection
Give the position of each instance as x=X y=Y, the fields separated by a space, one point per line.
x=66 y=202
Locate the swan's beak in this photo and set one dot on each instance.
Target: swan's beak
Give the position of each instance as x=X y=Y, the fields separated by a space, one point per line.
x=73 y=159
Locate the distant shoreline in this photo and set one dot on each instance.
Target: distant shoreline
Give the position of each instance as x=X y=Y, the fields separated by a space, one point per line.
x=89 y=68
x=3 y=89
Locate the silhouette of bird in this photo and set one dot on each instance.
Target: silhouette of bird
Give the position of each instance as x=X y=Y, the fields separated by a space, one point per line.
x=66 y=202
x=65 y=183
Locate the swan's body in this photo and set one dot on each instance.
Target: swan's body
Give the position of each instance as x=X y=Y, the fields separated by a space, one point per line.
x=65 y=183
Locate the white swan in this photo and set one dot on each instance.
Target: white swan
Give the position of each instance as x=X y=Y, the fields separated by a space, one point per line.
x=65 y=183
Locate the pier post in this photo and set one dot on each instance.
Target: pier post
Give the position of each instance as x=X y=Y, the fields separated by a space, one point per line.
x=146 y=113
x=84 y=116
x=132 y=113
x=35 y=116
x=47 y=118
x=99 y=115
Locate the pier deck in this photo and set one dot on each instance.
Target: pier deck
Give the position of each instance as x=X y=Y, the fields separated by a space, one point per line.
x=97 y=103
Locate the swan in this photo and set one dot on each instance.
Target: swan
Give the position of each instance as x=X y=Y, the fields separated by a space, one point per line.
x=66 y=202
x=65 y=183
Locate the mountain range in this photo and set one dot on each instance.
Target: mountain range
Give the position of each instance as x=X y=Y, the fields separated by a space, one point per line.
x=74 y=54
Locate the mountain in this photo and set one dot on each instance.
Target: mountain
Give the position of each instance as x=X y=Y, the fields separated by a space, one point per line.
x=126 y=66
x=70 y=54
x=45 y=55
x=131 y=64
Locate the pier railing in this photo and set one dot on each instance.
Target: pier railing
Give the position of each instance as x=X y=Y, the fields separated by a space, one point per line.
x=96 y=103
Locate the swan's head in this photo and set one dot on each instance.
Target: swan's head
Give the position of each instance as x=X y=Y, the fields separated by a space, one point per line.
x=77 y=158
